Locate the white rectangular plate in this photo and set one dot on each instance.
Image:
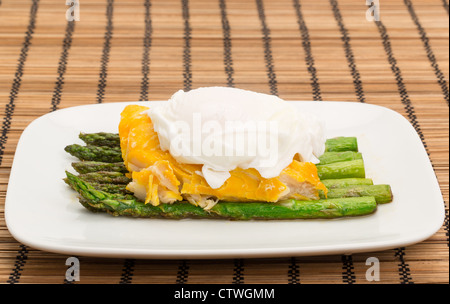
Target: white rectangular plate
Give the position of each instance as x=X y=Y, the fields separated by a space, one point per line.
x=44 y=213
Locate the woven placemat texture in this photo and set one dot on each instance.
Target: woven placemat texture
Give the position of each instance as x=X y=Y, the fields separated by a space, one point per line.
x=129 y=50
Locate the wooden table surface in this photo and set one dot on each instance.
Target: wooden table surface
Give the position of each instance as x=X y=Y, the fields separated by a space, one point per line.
x=128 y=50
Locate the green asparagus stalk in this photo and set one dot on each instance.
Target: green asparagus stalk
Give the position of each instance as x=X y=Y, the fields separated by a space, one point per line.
x=112 y=188
x=336 y=157
x=295 y=209
x=105 y=177
x=114 y=204
x=94 y=166
x=345 y=182
x=85 y=203
x=184 y=209
x=337 y=144
x=340 y=144
x=108 y=188
x=289 y=209
x=93 y=153
x=101 y=139
x=131 y=206
x=348 y=169
x=381 y=193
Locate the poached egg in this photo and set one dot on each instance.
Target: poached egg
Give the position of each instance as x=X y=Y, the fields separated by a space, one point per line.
x=225 y=128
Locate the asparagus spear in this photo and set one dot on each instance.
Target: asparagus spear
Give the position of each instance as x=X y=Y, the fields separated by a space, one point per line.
x=112 y=188
x=114 y=204
x=105 y=177
x=87 y=167
x=180 y=210
x=101 y=139
x=94 y=153
x=382 y=193
x=348 y=169
x=345 y=182
x=338 y=149
x=116 y=183
x=337 y=144
x=289 y=209
x=295 y=209
x=93 y=166
x=85 y=203
x=336 y=157
x=108 y=188
x=340 y=144
x=131 y=206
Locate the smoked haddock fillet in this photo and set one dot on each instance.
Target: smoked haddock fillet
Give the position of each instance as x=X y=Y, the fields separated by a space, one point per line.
x=158 y=178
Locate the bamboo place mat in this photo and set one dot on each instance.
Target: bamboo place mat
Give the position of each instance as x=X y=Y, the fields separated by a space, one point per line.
x=129 y=50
